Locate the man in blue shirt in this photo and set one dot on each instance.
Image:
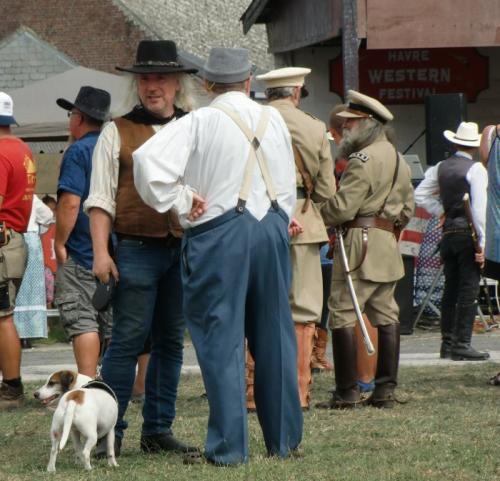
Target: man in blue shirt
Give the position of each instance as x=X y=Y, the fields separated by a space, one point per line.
x=75 y=282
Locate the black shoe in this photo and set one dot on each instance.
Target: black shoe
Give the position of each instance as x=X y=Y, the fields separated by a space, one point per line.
x=101 y=449
x=468 y=354
x=338 y=401
x=165 y=442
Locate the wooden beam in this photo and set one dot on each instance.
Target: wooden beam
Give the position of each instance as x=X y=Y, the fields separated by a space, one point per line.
x=350 y=45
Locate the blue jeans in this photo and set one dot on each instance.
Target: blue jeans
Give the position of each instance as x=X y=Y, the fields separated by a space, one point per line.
x=148 y=299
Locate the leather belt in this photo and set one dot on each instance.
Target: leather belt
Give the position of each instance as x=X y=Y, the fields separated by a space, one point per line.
x=365 y=223
x=169 y=241
x=456 y=231
x=370 y=223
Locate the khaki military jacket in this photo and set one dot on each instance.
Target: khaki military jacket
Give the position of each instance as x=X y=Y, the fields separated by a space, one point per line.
x=309 y=136
x=363 y=188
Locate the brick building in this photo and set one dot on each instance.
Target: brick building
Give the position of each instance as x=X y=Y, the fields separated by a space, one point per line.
x=40 y=38
x=48 y=46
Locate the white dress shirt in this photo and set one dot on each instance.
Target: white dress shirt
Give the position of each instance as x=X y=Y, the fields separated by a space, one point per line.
x=427 y=194
x=105 y=170
x=206 y=152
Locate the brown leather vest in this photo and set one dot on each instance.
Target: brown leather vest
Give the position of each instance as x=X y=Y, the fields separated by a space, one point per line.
x=133 y=216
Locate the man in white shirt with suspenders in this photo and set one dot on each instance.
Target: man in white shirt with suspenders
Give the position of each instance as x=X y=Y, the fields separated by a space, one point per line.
x=228 y=170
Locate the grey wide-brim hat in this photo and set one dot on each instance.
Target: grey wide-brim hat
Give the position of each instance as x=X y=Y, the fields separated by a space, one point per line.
x=91 y=101
x=227 y=65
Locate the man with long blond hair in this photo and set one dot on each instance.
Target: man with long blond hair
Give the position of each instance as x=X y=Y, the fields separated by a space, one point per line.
x=148 y=296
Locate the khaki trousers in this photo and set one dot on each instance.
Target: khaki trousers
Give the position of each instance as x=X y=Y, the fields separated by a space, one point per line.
x=306 y=293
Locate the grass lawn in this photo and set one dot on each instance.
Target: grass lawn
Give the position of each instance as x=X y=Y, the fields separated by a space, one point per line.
x=448 y=430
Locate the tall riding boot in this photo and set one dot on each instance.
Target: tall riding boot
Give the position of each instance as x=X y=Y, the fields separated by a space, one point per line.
x=250 y=370
x=447 y=327
x=305 y=335
x=387 y=367
x=346 y=393
x=319 y=362
x=462 y=350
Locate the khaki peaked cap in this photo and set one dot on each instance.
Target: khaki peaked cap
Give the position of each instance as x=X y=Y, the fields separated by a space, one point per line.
x=285 y=77
x=361 y=106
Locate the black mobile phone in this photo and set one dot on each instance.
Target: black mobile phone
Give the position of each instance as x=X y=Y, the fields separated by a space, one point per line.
x=103 y=294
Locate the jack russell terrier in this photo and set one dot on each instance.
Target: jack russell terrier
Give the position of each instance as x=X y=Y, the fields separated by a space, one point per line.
x=88 y=414
x=59 y=383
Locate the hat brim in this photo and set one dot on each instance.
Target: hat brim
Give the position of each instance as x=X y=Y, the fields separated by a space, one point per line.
x=350 y=115
x=6 y=120
x=67 y=105
x=142 y=69
x=451 y=136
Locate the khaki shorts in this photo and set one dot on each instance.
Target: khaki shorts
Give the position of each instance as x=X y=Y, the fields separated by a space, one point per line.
x=376 y=300
x=74 y=288
x=13 y=258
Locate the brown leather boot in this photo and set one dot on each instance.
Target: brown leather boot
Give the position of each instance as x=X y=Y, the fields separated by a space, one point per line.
x=305 y=335
x=319 y=362
x=346 y=394
x=250 y=370
x=387 y=367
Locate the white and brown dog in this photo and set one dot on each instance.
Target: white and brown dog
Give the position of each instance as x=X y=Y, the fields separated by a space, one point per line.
x=57 y=384
x=88 y=414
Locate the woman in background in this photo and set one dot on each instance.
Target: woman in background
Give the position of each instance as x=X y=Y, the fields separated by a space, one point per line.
x=30 y=314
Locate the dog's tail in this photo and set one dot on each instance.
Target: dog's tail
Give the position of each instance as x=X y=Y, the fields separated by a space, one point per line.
x=73 y=399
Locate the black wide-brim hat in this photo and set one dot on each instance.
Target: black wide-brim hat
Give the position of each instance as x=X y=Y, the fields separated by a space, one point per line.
x=91 y=101
x=157 y=56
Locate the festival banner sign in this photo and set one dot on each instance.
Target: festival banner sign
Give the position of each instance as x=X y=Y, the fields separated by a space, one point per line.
x=405 y=76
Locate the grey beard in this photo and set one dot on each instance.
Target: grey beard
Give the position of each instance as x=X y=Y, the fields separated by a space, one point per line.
x=366 y=133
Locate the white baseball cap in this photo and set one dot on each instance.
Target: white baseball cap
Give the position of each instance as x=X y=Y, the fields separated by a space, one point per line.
x=6 y=110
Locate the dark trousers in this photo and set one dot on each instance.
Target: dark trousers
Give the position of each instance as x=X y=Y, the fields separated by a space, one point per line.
x=236 y=277
x=326 y=270
x=461 y=285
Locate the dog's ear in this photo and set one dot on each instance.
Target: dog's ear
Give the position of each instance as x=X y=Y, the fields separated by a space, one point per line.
x=67 y=379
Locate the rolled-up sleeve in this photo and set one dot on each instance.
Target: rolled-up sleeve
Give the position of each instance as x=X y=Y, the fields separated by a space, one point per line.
x=159 y=166
x=427 y=192
x=105 y=170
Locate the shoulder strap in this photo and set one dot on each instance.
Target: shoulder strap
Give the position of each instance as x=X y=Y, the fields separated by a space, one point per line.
x=394 y=178
x=255 y=153
x=306 y=176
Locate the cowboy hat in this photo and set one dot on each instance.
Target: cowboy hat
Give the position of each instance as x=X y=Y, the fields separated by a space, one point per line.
x=157 y=56
x=467 y=134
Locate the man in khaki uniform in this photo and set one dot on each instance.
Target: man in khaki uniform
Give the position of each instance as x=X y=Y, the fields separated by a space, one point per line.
x=315 y=185
x=374 y=200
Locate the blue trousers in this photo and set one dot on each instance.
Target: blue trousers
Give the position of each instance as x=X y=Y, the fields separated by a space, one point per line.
x=148 y=299
x=236 y=279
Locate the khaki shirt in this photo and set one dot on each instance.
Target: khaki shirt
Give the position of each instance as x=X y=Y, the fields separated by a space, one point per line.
x=309 y=136
x=363 y=188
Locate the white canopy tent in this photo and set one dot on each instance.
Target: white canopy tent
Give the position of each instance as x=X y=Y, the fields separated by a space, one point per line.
x=35 y=108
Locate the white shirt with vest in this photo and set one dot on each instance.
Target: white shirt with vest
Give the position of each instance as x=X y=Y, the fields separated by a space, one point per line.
x=427 y=194
x=106 y=169
x=206 y=152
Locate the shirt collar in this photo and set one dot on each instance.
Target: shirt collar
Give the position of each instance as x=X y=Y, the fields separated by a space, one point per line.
x=461 y=153
x=230 y=95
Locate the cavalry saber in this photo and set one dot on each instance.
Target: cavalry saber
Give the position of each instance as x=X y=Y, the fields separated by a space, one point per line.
x=366 y=337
